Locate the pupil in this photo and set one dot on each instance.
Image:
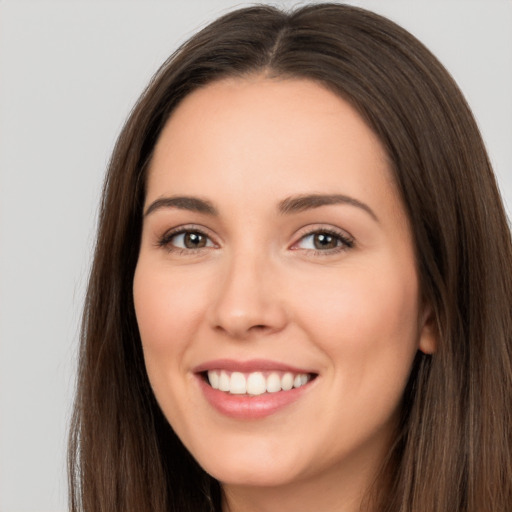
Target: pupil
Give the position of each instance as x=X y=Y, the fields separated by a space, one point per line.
x=194 y=240
x=324 y=241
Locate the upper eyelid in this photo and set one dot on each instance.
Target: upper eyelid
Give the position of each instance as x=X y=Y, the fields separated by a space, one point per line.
x=312 y=229
x=187 y=227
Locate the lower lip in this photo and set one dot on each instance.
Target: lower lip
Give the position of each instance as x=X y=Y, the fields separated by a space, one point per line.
x=247 y=407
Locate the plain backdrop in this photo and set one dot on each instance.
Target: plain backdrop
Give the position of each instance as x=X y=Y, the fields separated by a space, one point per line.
x=70 y=72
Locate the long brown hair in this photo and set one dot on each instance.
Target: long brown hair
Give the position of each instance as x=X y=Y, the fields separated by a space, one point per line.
x=453 y=448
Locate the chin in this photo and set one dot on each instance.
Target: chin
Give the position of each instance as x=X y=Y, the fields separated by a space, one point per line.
x=248 y=469
x=268 y=476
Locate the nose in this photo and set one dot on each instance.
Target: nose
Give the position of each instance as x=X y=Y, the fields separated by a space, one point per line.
x=248 y=300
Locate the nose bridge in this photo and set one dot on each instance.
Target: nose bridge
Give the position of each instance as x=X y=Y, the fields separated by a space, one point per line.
x=247 y=300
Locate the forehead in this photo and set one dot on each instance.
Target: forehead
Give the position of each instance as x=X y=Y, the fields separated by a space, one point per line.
x=279 y=137
x=262 y=107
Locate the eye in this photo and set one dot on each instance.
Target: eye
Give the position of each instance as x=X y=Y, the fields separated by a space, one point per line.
x=186 y=240
x=324 y=241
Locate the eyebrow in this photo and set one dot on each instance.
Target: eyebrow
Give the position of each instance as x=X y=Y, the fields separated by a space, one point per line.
x=301 y=203
x=294 y=204
x=194 y=204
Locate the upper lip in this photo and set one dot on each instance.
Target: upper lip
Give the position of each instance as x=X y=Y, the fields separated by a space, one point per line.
x=252 y=365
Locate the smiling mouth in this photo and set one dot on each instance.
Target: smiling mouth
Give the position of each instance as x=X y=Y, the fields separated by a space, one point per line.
x=255 y=383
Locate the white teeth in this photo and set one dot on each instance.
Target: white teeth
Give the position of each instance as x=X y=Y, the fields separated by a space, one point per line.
x=224 y=381
x=238 y=384
x=255 y=383
x=287 y=382
x=273 y=383
x=213 y=378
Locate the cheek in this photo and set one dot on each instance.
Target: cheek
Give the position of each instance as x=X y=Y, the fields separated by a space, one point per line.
x=367 y=326
x=366 y=321
x=168 y=309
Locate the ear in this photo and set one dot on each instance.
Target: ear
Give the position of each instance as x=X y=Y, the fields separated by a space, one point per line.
x=428 y=331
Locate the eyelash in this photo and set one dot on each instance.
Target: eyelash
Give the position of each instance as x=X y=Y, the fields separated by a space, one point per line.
x=344 y=242
x=166 y=239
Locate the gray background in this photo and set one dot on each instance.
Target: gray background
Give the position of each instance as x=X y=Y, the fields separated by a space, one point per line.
x=69 y=74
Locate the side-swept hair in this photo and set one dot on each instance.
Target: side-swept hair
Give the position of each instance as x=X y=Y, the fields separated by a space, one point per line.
x=452 y=452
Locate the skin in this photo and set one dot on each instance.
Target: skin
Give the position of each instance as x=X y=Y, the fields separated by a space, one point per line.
x=259 y=289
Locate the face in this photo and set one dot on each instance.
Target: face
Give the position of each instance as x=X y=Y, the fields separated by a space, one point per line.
x=276 y=291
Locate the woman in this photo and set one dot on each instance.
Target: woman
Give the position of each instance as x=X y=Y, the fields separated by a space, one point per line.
x=300 y=297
